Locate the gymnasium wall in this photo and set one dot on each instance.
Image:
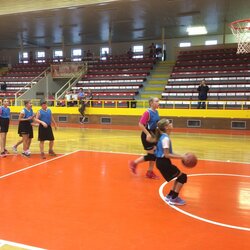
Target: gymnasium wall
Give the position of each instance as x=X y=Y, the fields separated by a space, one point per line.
x=182 y=118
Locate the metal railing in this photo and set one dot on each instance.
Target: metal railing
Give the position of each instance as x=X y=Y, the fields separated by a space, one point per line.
x=209 y=105
x=70 y=83
x=29 y=85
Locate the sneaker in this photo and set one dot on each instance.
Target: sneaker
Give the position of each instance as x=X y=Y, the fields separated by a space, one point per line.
x=6 y=151
x=152 y=175
x=43 y=156
x=177 y=201
x=132 y=166
x=14 y=148
x=82 y=120
x=3 y=155
x=25 y=154
x=52 y=153
x=167 y=198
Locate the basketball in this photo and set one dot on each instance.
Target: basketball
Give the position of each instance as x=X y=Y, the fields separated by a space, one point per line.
x=190 y=161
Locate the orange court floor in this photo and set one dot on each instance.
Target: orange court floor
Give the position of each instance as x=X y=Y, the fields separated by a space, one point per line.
x=87 y=198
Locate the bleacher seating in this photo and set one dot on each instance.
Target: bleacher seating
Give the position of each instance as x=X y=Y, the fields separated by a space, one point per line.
x=226 y=73
x=19 y=76
x=118 y=78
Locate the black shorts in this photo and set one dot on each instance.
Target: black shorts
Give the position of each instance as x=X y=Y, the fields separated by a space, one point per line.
x=24 y=128
x=4 y=125
x=167 y=169
x=146 y=145
x=82 y=109
x=45 y=134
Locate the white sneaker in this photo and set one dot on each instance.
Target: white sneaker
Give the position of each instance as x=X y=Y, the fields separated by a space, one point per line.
x=14 y=149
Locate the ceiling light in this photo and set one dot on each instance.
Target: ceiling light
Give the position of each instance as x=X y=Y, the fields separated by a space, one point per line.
x=198 y=30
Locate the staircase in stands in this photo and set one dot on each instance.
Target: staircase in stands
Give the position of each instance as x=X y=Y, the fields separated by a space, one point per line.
x=156 y=81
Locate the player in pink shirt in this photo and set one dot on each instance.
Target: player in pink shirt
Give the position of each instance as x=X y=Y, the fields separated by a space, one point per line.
x=148 y=124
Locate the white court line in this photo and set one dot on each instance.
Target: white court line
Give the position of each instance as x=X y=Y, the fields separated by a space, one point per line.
x=14 y=244
x=129 y=153
x=3 y=242
x=38 y=164
x=198 y=217
x=58 y=157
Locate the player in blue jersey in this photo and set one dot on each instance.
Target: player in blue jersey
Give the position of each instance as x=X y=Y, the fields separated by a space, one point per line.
x=45 y=119
x=4 y=126
x=25 y=129
x=164 y=153
x=148 y=124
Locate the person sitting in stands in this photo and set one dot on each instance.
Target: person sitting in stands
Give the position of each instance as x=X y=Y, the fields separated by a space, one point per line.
x=68 y=98
x=74 y=97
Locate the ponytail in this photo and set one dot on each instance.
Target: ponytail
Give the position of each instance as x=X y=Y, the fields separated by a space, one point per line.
x=161 y=127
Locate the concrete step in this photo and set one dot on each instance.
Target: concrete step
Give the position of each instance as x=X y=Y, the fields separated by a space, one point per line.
x=154 y=88
x=159 y=75
x=151 y=94
x=157 y=81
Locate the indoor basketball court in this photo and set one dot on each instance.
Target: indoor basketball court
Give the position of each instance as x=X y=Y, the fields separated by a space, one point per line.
x=89 y=199
x=123 y=53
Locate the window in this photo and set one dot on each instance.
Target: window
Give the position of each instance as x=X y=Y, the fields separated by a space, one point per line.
x=193 y=123
x=138 y=51
x=198 y=30
x=23 y=57
x=238 y=125
x=62 y=118
x=211 y=42
x=58 y=55
x=76 y=55
x=105 y=120
x=186 y=44
x=76 y=52
x=104 y=53
x=40 y=56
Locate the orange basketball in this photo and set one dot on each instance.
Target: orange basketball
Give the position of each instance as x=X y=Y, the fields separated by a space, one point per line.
x=191 y=160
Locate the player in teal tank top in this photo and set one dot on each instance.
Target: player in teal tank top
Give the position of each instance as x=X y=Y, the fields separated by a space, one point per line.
x=25 y=129
x=45 y=119
x=4 y=126
x=164 y=153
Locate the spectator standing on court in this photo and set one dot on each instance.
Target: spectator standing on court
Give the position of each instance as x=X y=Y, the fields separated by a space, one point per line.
x=148 y=124
x=202 y=96
x=4 y=126
x=45 y=119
